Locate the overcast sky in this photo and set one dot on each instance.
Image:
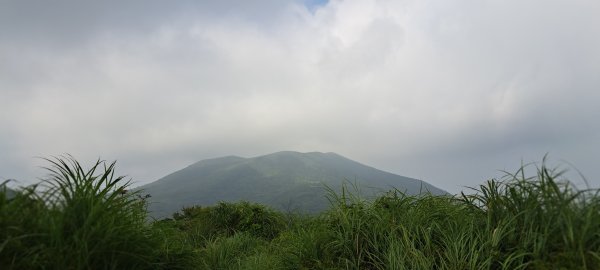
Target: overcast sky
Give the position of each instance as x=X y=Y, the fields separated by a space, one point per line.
x=449 y=92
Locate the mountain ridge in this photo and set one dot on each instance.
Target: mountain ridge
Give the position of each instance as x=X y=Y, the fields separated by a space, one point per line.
x=285 y=180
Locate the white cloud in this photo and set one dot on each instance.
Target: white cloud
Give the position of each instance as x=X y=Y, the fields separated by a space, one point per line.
x=430 y=89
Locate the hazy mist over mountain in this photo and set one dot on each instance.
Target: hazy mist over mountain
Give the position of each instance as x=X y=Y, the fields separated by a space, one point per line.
x=446 y=91
x=288 y=181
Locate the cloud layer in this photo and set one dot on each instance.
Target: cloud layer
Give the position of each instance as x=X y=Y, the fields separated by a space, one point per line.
x=446 y=92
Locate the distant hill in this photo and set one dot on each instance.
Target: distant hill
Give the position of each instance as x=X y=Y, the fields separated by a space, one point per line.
x=9 y=193
x=288 y=181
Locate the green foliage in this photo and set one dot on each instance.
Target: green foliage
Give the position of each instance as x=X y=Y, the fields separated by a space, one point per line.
x=176 y=248
x=305 y=245
x=246 y=217
x=87 y=220
x=79 y=219
x=21 y=227
x=540 y=221
x=227 y=219
x=227 y=252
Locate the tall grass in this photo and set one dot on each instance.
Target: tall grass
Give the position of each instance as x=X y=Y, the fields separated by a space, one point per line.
x=519 y=222
x=78 y=219
x=541 y=221
x=86 y=219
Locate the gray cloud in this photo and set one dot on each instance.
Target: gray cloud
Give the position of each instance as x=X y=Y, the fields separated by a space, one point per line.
x=446 y=92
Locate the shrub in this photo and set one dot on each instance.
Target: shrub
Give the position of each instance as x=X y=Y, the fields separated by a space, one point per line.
x=227 y=252
x=255 y=219
x=227 y=219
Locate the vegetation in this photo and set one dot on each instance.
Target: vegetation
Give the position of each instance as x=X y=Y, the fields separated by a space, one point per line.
x=86 y=219
x=78 y=219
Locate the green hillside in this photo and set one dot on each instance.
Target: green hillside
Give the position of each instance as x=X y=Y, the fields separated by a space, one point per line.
x=9 y=193
x=288 y=181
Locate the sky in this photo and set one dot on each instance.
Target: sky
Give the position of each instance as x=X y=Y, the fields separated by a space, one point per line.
x=450 y=92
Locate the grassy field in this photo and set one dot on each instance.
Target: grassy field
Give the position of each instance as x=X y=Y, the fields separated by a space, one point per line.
x=86 y=219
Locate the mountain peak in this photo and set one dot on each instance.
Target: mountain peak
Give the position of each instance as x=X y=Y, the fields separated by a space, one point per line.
x=296 y=153
x=285 y=180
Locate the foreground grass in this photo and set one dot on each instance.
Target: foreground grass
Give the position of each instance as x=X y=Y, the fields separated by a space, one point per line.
x=78 y=219
x=85 y=219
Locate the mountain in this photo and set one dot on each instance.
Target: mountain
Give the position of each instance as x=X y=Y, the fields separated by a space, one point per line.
x=8 y=193
x=288 y=181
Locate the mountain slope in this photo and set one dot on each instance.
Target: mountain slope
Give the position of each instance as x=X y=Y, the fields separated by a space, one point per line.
x=8 y=193
x=287 y=181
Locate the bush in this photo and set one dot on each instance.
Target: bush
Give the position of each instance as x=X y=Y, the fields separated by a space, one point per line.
x=254 y=219
x=227 y=219
x=227 y=252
